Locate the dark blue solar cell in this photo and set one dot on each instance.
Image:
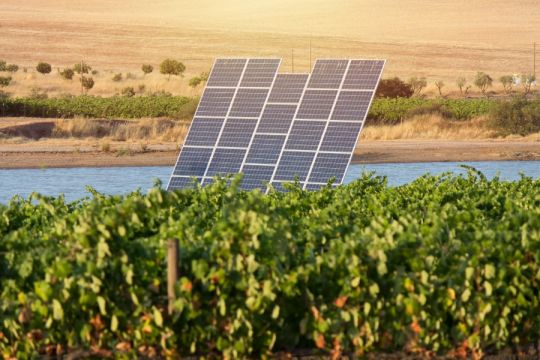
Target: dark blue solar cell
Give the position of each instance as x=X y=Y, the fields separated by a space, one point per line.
x=249 y=103
x=192 y=161
x=237 y=132
x=341 y=136
x=226 y=72
x=277 y=119
x=293 y=164
x=328 y=166
x=265 y=149
x=363 y=74
x=226 y=161
x=288 y=88
x=327 y=74
x=305 y=135
x=178 y=183
x=204 y=132
x=280 y=186
x=317 y=104
x=317 y=187
x=260 y=73
x=256 y=176
x=352 y=105
x=215 y=102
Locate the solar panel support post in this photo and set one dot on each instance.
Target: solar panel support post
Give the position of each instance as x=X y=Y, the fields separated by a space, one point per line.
x=172 y=272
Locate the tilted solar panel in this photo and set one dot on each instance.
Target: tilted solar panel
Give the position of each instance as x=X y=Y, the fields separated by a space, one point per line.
x=277 y=128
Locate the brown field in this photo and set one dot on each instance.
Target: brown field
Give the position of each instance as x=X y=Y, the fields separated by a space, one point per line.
x=440 y=40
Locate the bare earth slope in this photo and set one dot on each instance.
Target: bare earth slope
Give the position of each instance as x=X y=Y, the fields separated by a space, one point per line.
x=442 y=39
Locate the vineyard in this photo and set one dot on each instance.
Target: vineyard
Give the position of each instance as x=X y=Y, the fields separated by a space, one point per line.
x=444 y=265
x=387 y=111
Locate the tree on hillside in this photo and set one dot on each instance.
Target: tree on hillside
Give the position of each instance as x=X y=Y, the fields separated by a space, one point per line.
x=394 y=88
x=43 y=68
x=67 y=74
x=483 y=81
x=147 y=69
x=87 y=83
x=5 y=81
x=3 y=65
x=171 y=67
x=197 y=80
x=82 y=68
x=12 y=68
x=507 y=82
x=527 y=81
x=462 y=85
x=439 y=84
x=417 y=84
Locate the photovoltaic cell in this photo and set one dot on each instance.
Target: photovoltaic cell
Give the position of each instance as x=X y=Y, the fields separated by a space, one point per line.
x=237 y=133
x=215 y=102
x=363 y=74
x=317 y=104
x=329 y=165
x=265 y=149
x=352 y=105
x=204 y=132
x=226 y=72
x=260 y=73
x=256 y=176
x=341 y=136
x=305 y=135
x=288 y=88
x=249 y=103
x=183 y=182
x=226 y=161
x=276 y=119
x=294 y=164
x=193 y=161
x=327 y=74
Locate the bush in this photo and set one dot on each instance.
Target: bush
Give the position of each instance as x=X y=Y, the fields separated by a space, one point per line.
x=12 y=68
x=171 y=67
x=43 y=68
x=37 y=93
x=147 y=68
x=67 y=74
x=3 y=65
x=87 y=83
x=417 y=84
x=483 y=81
x=507 y=82
x=519 y=116
x=82 y=68
x=128 y=91
x=5 y=81
x=94 y=72
x=394 y=88
x=117 y=77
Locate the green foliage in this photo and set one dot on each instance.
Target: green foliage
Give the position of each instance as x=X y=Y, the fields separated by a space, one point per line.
x=82 y=68
x=394 y=88
x=171 y=67
x=507 y=82
x=43 y=68
x=5 y=81
x=461 y=83
x=195 y=81
x=443 y=263
x=117 y=77
x=483 y=81
x=147 y=68
x=12 y=68
x=527 y=81
x=87 y=83
x=67 y=74
x=519 y=116
x=159 y=105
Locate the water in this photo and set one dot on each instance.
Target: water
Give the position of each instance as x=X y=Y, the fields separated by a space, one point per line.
x=121 y=180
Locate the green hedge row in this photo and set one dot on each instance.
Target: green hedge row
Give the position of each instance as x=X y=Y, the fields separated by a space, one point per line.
x=446 y=264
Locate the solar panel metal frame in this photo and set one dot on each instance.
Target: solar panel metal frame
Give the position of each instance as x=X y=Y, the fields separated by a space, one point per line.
x=305 y=182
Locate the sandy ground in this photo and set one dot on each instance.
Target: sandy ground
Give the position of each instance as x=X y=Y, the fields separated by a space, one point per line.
x=14 y=156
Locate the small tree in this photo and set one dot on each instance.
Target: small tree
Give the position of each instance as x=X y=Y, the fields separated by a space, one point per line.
x=483 y=81
x=171 y=67
x=117 y=77
x=462 y=83
x=5 y=81
x=439 y=84
x=67 y=74
x=394 y=88
x=12 y=68
x=82 y=68
x=87 y=83
x=417 y=84
x=147 y=69
x=43 y=68
x=507 y=82
x=527 y=81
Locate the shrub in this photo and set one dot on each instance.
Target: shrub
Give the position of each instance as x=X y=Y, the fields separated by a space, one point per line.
x=94 y=72
x=87 y=83
x=43 y=68
x=3 y=65
x=147 y=68
x=12 y=68
x=5 y=81
x=128 y=91
x=82 y=68
x=117 y=77
x=518 y=116
x=195 y=81
x=171 y=67
x=507 y=82
x=527 y=81
x=483 y=81
x=67 y=74
x=394 y=88
x=462 y=85
x=37 y=93
x=417 y=84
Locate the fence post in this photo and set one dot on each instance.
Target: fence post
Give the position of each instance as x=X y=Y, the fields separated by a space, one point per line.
x=172 y=271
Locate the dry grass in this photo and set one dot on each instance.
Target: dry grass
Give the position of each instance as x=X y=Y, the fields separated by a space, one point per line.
x=432 y=127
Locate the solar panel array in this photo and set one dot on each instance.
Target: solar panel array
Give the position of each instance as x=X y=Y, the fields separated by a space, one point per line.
x=277 y=128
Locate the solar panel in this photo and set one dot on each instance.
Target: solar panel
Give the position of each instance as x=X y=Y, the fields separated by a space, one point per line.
x=275 y=128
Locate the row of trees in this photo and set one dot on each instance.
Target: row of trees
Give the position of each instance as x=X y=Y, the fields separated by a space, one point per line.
x=395 y=87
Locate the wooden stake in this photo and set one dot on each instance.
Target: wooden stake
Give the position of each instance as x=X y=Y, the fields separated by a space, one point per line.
x=172 y=272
